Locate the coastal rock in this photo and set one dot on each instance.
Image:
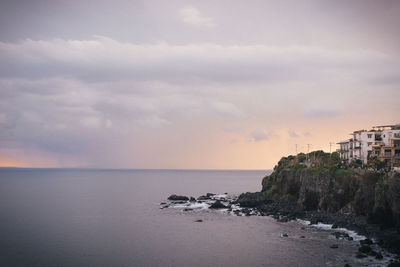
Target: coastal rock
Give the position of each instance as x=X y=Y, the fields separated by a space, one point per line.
x=208 y=196
x=218 y=205
x=334 y=246
x=360 y=255
x=378 y=256
x=176 y=197
x=366 y=241
x=364 y=249
x=251 y=200
x=394 y=264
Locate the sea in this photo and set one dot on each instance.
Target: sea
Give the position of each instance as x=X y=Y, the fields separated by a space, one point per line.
x=92 y=217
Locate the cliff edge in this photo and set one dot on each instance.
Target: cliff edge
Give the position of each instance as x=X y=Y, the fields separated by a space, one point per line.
x=318 y=186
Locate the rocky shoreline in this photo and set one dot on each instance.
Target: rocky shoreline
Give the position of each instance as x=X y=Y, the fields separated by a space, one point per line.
x=377 y=239
x=374 y=242
x=318 y=188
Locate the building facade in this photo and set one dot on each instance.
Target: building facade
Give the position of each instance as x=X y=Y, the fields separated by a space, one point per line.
x=382 y=142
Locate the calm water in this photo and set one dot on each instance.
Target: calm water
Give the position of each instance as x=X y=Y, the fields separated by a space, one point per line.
x=112 y=218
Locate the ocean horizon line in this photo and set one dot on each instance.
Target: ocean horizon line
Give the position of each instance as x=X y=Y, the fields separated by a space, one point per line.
x=126 y=169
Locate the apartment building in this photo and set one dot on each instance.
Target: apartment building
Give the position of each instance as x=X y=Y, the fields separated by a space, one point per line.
x=382 y=142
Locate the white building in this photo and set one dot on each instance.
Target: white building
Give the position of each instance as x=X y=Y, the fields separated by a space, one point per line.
x=382 y=142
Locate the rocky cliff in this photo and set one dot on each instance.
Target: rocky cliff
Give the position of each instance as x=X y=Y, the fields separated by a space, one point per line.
x=318 y=182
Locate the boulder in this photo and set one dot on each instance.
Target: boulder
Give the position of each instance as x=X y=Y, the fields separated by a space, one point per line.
x=218 y=205
x=176 y=197
x=360 y=255
x=366 y=242
x=364 y=249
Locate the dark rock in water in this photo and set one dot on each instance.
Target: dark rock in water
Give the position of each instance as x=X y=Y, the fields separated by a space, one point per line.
x=237 y=212
x=217 y=205
x=163 y=203
x=207 y=197
x=360 y=255
x=393 y=244
x=302 y=236
x=366 y=241
x=210 y=194
x=187 y=209
x=314 y=221
x=283 y=219
x=378 y=256
x=350 y=238
x=364 y=249
x=179 y=202
x=285 y=235
x=347 y=265
x=199 y=220
x=176 y=197
x=334 y=246
x=251 y=200
x=192 y=199
x=334 y=226
x=372 y=253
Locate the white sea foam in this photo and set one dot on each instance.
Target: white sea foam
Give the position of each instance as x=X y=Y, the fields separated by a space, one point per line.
x=190 y=205
x=220 y=196
x=328 y=227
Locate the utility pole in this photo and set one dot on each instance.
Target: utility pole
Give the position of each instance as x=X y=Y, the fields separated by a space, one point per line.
x=308 y=151
x=296 y=149
x=330 y=149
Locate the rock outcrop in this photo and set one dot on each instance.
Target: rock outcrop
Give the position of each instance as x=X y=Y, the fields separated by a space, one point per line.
x=318 y=182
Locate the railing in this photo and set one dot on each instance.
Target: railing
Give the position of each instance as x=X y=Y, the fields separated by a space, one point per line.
x=396 y=135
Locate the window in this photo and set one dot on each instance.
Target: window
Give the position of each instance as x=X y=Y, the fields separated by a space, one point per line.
x=369 y=135
x=369 y=143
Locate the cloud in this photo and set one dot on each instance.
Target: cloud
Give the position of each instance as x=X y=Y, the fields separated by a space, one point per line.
x=105 y=59
x=322 y=113
x=259 y=135
x=76 y=98
x=228 y=110
x=293 y=134
x=191 y=15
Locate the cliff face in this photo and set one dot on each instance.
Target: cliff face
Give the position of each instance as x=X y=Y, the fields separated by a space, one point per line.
x=322 y=184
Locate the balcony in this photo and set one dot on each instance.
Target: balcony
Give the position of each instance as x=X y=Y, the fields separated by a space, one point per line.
x=379 y=143
x=396 y=135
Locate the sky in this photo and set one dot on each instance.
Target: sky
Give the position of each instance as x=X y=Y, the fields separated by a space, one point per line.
x=211 y=84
